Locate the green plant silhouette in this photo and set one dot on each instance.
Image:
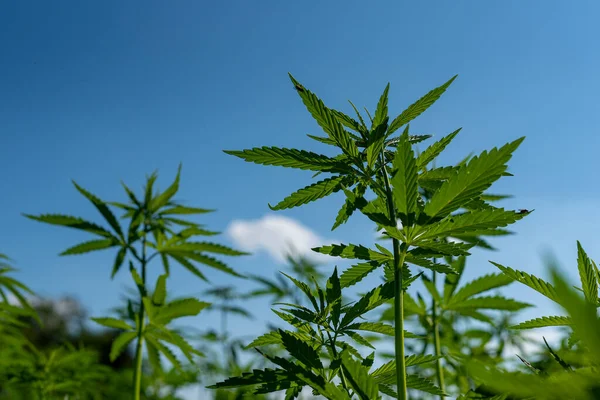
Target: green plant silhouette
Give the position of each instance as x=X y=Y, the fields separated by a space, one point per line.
x=155 y=224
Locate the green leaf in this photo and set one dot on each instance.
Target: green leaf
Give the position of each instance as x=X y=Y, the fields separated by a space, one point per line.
x=490 y=302
x=423 y=384
x=265 y=339
x=471 y=180
x=556 y=357
x=480 y=285
x=432 y=248
x=587 y=273
x=254 y=378
x=347 y=121
x=303 y=313
x=154 y=358
x=189 y=232
x=71 y=222
x=160 y=293
x=324 y=140
x=290 y=158
x=137 y=279
x=103 y=208
x=201 y=258
x=131 y=195
x=173 y=338
x=360 y=118
x=418 y=107
x=92 y=245
x=375 y=210
x=381 y=112
x=544 y=322
x=377 y=142
x=435 y=149
x=149 y=187
x=202 y=246
x=112 y=323
x=437 y=176
x=310 y=193
x=119 y=259
x=161 y=200
x=349 y=206
x=407 y=277
x=416 y=359
x=357 y=272
x=379 y=327
x=327 y=120
x=426 y=263
x=584 y=315
x=358 y=376
x=165 y=263
x=477 y=221
x=368 y=302
x=412 y=381
x=300 y=350
x=352 y=251
x=333 y=294
x=533 y=282
x=189 y=266
x=305 y=288
x=120 y=343
x=165 y=351
x=182 y=210
x=431 y=288
x=178 y=309
x=404 y=181
x=388 y=370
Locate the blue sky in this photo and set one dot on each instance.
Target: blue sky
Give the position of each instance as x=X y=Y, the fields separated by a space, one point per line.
x=99 y=92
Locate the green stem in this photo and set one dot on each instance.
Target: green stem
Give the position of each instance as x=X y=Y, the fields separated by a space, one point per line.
x=137 y=373
x=399 y=256
x=399 y=321
x=436 y=343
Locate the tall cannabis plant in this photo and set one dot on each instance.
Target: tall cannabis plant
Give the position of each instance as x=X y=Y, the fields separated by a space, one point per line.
x=156 y=230
x=373 y=161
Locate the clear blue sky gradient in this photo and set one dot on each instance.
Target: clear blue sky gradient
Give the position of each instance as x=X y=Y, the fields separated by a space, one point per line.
x=104 y=91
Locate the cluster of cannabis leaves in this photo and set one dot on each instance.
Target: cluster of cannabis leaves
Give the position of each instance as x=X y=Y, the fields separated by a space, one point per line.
x=431 y=216
x=429 y=213
x=156 y=229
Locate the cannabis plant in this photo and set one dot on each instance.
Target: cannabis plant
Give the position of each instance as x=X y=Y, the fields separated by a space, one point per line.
x=577 y=377
x=373 y=161
x=155 y=230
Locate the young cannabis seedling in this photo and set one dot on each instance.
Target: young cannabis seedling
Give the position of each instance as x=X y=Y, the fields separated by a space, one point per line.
x=155 y=223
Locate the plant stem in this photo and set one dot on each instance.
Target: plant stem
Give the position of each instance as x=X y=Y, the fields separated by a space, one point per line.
x=436 y=342
x=137 y=373
x=399 y=256
x=399 y=321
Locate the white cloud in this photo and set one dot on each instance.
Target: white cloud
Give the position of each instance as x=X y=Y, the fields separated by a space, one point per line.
x=277 y=236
